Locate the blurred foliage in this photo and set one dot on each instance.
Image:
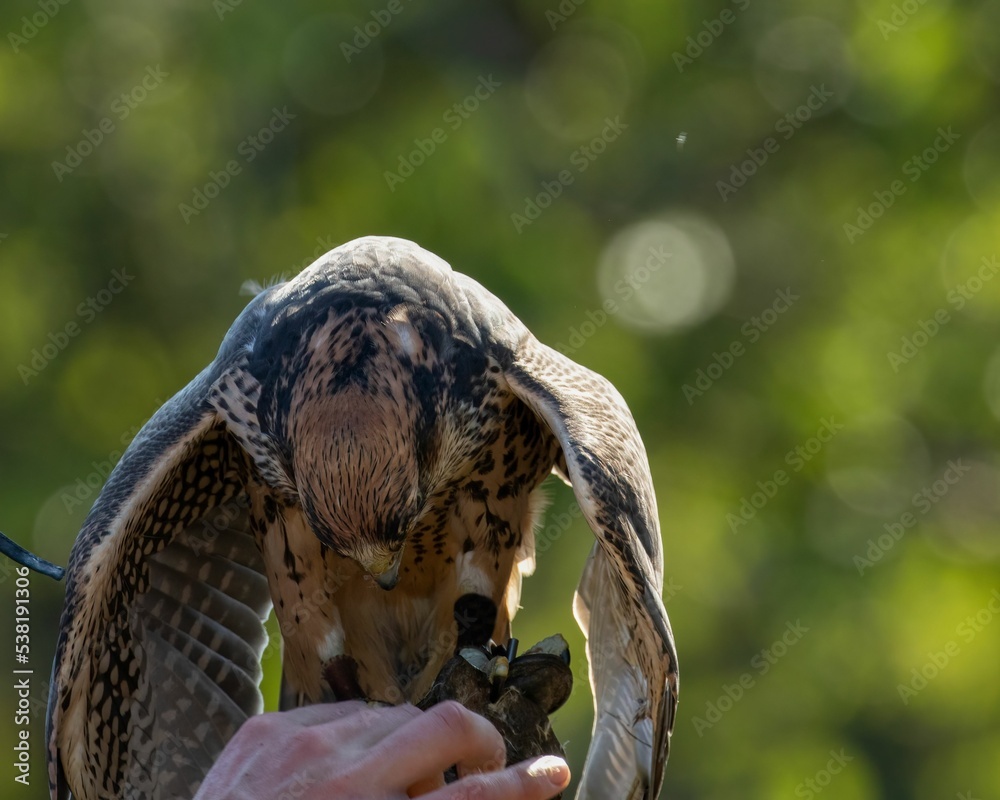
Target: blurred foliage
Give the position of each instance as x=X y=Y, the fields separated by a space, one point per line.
x=816 y=111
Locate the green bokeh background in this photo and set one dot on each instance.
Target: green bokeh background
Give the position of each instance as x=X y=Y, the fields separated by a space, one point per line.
x=694 y=87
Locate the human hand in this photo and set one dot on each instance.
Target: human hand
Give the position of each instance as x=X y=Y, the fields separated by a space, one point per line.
x=350 y=750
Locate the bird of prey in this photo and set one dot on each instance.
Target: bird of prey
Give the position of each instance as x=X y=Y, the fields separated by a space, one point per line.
x=364 y=454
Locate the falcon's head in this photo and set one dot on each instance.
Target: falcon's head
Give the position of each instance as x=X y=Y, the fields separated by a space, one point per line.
x=353 y=440
x=358 y=479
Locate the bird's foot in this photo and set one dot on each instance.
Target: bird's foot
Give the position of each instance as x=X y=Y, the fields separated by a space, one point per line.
x=516 y=693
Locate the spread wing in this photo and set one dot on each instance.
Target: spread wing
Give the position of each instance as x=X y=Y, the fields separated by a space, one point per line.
x=158 y=658
x=630 y=647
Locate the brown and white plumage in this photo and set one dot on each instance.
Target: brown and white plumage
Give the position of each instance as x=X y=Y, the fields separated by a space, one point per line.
x=379 y=419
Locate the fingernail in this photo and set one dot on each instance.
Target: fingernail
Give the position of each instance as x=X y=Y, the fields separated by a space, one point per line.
x=551 y=767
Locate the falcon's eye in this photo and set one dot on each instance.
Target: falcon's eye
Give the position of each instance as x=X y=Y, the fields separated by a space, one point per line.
x=396 y=529
x=394 y=535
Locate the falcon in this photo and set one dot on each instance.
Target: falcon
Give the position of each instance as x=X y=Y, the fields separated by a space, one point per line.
x=363 y=455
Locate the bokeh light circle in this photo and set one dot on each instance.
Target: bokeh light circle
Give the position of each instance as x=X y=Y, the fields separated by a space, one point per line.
x=322 y=68
x=799 y=56
x=981 y=166
x=114 y=51
x=985 y=42
x=970 y=267
x=666 y=273
x=965 y=512
x=991 y=384
x=576 y=83
x=876 y=464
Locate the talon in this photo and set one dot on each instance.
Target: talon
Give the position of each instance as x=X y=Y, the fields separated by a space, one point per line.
x=498 y=672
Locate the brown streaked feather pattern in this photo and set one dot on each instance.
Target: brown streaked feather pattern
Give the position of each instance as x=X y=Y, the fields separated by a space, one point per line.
x=376 y=409
x=164 y=599
x=630 y=644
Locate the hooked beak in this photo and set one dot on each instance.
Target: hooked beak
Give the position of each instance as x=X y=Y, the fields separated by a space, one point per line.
x=385 y=570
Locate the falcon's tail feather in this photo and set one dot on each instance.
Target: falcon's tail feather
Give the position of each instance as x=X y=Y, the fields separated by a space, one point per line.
x=630 y=646
x=622 y=752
